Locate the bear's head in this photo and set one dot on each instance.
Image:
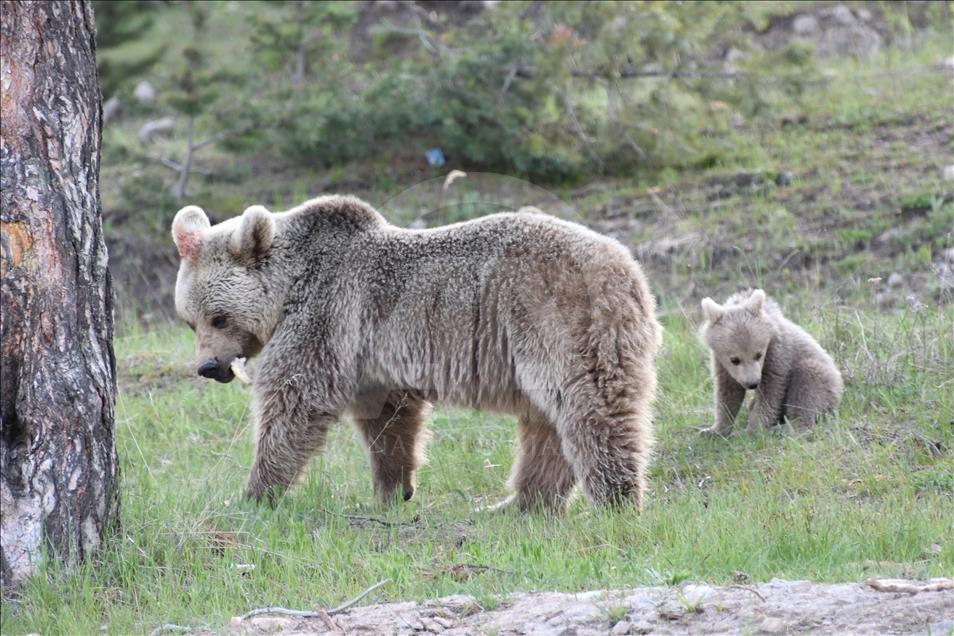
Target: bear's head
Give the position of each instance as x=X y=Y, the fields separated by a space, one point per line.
x=739 y=335
x=222 y=290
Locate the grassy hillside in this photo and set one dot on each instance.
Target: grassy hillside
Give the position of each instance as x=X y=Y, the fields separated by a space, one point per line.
x=821 y=201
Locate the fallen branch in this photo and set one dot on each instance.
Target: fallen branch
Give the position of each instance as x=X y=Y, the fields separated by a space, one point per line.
x=284 y=611
x=357 y=599
x=900 y=585
x=479 y=567
x=749 y=589
x=383 y=522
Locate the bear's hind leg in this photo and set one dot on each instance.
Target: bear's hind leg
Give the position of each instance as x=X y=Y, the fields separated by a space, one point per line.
x=542 y=477
x=609 y=456
x=395 y=442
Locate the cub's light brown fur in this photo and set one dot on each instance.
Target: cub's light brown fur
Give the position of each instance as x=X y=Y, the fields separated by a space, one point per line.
x=754 y=346
x=520 y=313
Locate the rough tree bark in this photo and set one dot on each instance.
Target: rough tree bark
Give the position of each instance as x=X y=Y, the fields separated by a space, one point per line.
x=57 y=389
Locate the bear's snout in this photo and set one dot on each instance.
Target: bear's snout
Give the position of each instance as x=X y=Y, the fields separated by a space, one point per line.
x=215 y=370
x=750 y=385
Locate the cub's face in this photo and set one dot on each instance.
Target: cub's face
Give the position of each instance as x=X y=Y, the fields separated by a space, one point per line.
x=220 y=292
x=740 y=350
x=739 y=337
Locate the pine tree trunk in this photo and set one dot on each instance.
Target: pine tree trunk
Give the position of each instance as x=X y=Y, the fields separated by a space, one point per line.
x=58 y=488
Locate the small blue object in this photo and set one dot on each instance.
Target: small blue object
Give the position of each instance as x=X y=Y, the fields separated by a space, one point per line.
x=435 y=157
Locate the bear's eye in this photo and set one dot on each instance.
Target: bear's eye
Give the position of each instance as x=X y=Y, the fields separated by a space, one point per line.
x=218 y=321
x=758 y=356
x=735 y=360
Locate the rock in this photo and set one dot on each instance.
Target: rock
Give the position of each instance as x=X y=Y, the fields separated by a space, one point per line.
x=915 y=303
x=536 y=628
x=772 y=625
x=271 y=623
x=111 y=108
x=840 y=14
x=144 y=92
x=458 y=601
x=805 y=24
x=154 y=127
x=640 y=604
x=446 y=623
x=620 y=628
x=895 y=280
x=431 y=625
x=784 y=178
x=581 y=612
x=943 y=627
x=731 y=58
x=948 y=62
x=949 y=173
x=696 y=594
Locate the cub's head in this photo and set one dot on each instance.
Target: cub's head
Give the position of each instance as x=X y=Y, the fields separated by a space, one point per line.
x=222 y=291
x=739 y=333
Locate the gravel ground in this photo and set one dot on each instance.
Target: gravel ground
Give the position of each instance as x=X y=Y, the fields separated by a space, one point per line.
x=777 y=607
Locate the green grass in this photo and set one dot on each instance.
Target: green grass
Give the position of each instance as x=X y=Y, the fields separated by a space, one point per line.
x=867 y=492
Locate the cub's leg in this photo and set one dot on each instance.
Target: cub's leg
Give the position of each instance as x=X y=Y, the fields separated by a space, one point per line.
x=288 y=433
x=729 y=396
x=811 y=392
x=542 y=477
x=769 y=404
x=394 y=434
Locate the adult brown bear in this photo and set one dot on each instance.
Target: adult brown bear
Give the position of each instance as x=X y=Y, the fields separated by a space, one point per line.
x=515 y=312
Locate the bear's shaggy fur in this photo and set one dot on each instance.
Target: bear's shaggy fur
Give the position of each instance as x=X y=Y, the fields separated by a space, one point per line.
x=754 y=346
x=519 y=313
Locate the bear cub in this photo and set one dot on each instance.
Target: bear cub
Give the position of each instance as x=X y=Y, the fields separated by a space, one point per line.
x=754 y=347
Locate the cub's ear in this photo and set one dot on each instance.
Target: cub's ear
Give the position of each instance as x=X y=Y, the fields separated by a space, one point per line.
x=712 y=309
x=253 y=237
x=756 y=302
x=187 y=230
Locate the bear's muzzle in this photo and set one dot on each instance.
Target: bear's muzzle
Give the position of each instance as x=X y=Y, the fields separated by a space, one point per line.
x=215 y=370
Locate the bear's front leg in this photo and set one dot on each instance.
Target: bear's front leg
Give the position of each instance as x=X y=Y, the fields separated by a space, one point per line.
x=767 y=408
x=729 y=396
x=288 y=432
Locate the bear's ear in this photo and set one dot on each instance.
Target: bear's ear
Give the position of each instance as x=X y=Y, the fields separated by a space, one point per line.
x=712 y=310
x=253 y=237
x=756 y=302
x=187 y=230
